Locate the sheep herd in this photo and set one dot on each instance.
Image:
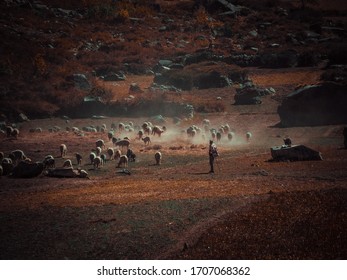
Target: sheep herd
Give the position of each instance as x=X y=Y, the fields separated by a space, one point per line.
x=114 y=145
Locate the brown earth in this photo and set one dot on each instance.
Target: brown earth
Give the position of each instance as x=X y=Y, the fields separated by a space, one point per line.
x=251 y=208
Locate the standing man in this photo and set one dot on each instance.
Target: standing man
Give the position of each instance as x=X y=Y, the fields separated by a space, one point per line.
x=212 y=153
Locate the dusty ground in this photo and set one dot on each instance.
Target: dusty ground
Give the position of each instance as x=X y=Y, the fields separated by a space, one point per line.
x=251 y=208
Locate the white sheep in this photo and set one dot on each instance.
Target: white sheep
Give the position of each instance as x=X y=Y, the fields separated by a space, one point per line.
x=158 y=157
x=157 y=130
x=248 y=136
x=67 y=163
x=117 y=154
x=92 y=156
x=100 y=143
x=97 y=162
x=123 y=160
x=110 y=152
x=63 y=150
x=49 y=162
x=17 y=155
x=98 y=151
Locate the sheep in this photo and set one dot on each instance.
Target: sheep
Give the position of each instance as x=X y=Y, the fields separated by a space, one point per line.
x=67 y=163
x=131 y=155
x=97 y=162
x=49 y=162
x=115 y=140
x=15 y=133
x=158 y=157
x=63 y=150
x=157 y=130
x=100 y=143
x=218 y=136
x=117 y=154
x=98 y=151
x=17 y=155
x=121 y=126
x=287 y=141
x=248 y=136
x=78 y=158
x=146 y=140
x=1 y=170
x=92 y=156
x=140 y=134
x=1 y=155
x=103 y=158
x=123 y=160
x=147 y=130
x=123 y=143
x=110 y=135
x=8 y=130
x=110 y=153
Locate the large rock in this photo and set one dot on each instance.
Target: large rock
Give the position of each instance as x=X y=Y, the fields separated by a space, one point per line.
x=284 y=59
x=27 y=169
x=294 y=153
x=250 y=95
x=80 y=80
x=322 y=104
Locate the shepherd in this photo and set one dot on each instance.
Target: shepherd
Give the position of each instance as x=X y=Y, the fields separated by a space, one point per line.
x=212 y=153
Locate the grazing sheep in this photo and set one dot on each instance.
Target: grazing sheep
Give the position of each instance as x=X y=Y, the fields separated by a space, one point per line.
x=78 y=158
x=103 y=158
x=158 y=157
x=157 y=130
x=147 y=130
x=131 y=155
x=67 y=163
x=110 y=153
x=9 y=130
x=147 y=140
x=248 y=136
x=140 y=134
x=123 y=143
x=218 y=136
x=98 y=151
x=92 y=156
x=110 y=135
x=63 y=150
x=117 y=154
x=17 y=155
x=115 y=140
x=7 y=166
x=97 y=162
x=15 y=133
x=49 y=162
x=123 y=160
x=100 y=143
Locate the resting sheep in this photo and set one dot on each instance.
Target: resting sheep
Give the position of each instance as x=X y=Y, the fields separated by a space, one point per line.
x=63 y=150
x=158 y=157
x=123 y=160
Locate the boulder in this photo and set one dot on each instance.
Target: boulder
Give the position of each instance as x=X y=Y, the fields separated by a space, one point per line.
x=26 y=169
x=322 y=104
x=249 y=95
x=294 y=153
x=80 y=80
x=284 y=59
